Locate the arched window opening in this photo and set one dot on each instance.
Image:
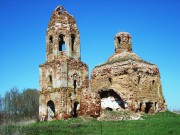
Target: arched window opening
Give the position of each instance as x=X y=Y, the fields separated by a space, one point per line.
x=61 y=42
x=51 y=39
x=51 y=106
x=72 y=41
x=119 y=40
x=50 y=79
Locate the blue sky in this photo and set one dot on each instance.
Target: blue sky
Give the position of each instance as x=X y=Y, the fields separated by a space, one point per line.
x=153 y=24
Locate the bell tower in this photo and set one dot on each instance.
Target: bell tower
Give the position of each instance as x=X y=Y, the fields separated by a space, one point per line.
x=63 y=76
x=62 y=36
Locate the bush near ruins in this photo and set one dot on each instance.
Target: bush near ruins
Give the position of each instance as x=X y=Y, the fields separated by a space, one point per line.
x=16 y=106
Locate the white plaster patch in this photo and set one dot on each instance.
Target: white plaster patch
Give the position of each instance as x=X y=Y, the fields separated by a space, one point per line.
x=110 y=102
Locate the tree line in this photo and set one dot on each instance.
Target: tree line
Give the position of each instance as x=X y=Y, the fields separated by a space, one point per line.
x=16 y=106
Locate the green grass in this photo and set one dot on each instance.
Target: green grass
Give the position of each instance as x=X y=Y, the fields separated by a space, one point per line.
x=166 y=123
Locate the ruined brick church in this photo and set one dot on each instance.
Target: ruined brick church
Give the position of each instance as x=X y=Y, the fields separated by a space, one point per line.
x=123 y=82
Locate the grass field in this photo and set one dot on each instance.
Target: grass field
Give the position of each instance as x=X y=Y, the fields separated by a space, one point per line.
x=166 y=123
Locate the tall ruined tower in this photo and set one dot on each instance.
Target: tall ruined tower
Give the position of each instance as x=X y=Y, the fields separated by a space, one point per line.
x=63 y=76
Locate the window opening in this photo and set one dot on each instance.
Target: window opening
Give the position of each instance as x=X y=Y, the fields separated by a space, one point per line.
x=63 y=47
x=119 y=40
x=74 y=86
x=51 y=39
x=61 y=43
x=110 y=80
x=153 y=81
x=58 y=9
x=50 y=80
x=72 y=41
x=139 y=78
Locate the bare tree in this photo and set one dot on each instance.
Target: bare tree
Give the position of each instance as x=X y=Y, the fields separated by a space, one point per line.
x=30 y=106
x=18 y=106
x=11 y=107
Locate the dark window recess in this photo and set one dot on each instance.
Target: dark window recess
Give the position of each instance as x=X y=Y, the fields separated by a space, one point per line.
x=50 y=103
x=61 y=43
x=109 y=109
x=119 y=40
x=139 y=78
x=72 y=41
x=140 y=107
x=75 y=84
x=50 y=79
x=153 y=81
x=110 y=80
x=58 y=9
x=51 y=39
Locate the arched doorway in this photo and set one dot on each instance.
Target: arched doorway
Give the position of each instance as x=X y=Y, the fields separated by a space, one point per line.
x=148 y=106
x=111 y=100
x=75 y=114
x=51 y=109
